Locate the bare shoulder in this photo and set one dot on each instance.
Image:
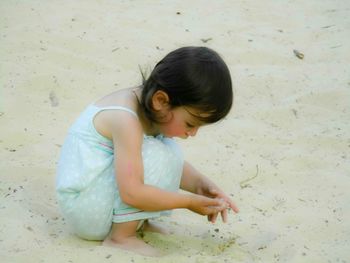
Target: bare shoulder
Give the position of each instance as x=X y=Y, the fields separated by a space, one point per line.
x=123 y=97
x=112 y=123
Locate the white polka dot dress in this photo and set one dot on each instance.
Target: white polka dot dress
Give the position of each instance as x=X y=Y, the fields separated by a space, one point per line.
x=86 y=188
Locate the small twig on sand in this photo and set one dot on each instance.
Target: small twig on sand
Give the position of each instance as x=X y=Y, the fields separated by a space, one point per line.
x=328 y=26
x=298 y=54
x=53 y=99
x=244 y=183
x=205 y=40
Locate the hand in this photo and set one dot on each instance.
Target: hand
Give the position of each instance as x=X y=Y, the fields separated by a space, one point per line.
x=206 y=206
x=207 y=188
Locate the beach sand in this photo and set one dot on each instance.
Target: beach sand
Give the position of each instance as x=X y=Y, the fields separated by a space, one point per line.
x=282 y=153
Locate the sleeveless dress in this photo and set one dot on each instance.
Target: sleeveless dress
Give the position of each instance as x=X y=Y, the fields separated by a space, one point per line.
x=87 y=191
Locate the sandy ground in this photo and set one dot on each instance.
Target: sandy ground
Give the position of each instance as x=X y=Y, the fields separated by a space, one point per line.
x=283 y=153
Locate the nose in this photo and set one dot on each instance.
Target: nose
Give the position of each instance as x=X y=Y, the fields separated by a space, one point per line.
x=193 y=131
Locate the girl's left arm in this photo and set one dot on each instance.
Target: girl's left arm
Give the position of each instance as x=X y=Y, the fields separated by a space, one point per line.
x=195 y=182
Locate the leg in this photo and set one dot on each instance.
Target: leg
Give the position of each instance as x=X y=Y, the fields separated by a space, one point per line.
x=149 y=226
x=123 y=235
x=162 y=168
x=89 y=212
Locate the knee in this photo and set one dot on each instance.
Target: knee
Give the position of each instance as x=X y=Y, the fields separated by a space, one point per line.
x=163 y=163
x=156 y=149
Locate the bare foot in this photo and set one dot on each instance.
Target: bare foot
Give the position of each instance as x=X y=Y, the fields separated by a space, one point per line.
x=133 y=244
x=152 y=227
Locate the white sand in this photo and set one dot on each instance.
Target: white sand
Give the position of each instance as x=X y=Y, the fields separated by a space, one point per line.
x=291 y=120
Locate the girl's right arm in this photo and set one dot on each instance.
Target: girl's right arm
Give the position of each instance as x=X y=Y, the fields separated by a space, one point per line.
x=127 y=139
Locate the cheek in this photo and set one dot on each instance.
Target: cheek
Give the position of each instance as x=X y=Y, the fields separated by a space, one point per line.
x=174 y=129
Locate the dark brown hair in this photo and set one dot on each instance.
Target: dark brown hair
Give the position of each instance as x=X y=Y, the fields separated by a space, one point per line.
x=196 y=77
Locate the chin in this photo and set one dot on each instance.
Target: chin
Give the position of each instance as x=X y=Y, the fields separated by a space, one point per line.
x=168 y=136
x=176 y=136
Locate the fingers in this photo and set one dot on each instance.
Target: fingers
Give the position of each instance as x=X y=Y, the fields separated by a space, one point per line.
x=213 y=219
x=213 y=192
x=216 y=210
x=213 y=211
x=224 y=215
x=233 y=206
x=213 y=206
x=215 y=202
x=224 y=212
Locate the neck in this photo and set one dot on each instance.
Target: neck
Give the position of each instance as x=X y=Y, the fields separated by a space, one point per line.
x=149 y=127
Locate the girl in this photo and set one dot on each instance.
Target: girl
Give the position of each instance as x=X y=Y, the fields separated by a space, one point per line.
x=119 y=165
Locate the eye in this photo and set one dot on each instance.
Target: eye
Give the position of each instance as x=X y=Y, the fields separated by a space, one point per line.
x=189 y=125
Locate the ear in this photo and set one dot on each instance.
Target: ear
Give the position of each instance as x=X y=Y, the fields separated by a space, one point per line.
x=160 y=100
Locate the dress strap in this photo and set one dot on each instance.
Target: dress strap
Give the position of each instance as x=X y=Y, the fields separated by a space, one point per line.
x=116 y=108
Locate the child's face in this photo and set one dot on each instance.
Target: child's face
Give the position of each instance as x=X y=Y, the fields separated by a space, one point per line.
x=181 y=123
